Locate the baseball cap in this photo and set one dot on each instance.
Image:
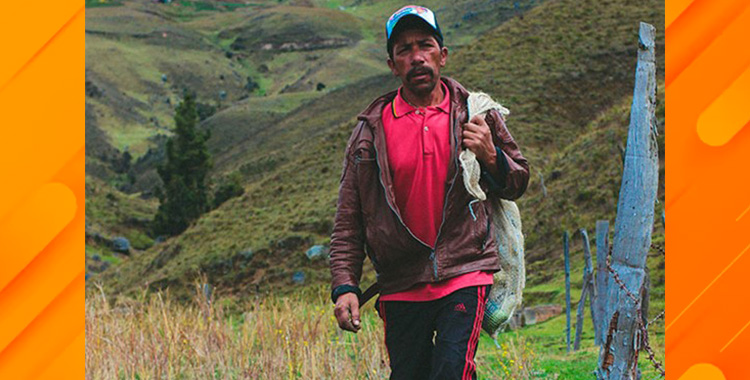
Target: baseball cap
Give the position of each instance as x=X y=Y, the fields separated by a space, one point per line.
x=414 y=13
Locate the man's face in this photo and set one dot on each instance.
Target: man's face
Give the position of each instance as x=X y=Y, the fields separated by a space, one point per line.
x=417 y=60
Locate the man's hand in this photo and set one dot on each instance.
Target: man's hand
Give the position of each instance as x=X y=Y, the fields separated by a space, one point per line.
x=347 y=312
x=477 y=137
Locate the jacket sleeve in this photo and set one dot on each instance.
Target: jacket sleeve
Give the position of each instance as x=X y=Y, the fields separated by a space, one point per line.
x=512 y=166
x=347 y=240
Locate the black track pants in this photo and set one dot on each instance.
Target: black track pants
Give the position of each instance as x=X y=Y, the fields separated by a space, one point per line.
x=435 y=339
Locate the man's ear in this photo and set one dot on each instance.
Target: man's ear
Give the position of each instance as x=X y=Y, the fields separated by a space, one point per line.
x=443 y=56
x=392 y=66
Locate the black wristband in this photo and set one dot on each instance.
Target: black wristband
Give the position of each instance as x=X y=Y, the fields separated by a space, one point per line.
x=342 y=289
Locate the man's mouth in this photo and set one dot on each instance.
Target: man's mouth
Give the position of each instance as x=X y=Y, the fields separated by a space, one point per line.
x=420 y=75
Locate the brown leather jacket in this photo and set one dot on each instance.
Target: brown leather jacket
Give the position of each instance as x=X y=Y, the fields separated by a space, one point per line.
x=368 y=222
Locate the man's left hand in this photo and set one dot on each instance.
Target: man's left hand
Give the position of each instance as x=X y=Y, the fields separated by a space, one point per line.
x=477 y=137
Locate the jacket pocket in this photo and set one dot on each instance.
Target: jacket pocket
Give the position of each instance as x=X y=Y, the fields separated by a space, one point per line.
x=488 y=226
x=481 y=224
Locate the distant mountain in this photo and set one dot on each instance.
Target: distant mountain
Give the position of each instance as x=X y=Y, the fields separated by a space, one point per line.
x=564 y=68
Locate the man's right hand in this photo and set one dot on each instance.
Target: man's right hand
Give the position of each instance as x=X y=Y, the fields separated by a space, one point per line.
x=347 y=312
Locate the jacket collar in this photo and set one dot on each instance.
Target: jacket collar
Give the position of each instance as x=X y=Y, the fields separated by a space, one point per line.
x=373 y=113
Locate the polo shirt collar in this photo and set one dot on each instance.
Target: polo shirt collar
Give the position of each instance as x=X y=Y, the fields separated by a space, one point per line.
x=400 y=107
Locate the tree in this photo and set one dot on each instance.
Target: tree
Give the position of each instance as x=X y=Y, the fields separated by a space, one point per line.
x=122 y=165
x=230 y=188
x=185 y=194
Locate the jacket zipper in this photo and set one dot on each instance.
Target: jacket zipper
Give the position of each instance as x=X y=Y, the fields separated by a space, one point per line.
x=487 y=232
x=433 y=256
x=385 y=190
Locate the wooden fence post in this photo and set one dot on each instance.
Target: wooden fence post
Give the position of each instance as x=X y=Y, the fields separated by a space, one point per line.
x=544 y=188
x=566 y=253
x=602 y=275
x=618 y=357
x=587 y=290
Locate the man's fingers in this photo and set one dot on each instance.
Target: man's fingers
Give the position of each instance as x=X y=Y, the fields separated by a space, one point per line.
x=347 y=316
x=472 y=127
x=471 y=134
x=478 y=119
x=355 y=315
x=341 y=313
x=471 y=138
x=347 y=325
x=342 y=317
x=481 y=130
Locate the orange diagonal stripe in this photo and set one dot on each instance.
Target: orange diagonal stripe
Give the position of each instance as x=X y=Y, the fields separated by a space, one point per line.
x=73 y=179
x=52 y=269
x=47 y=336
x=41 y=49
x=32 y=226
x=706 y=288
x=734 y=337
x=726 y=116
x=695 y=29
x=59 y=294
x=673 y=9
x=68 y=362
x=671 y=201
x=41 y=281
x=743 y=214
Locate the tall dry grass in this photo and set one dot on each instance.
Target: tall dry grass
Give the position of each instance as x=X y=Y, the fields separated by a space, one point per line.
x=291 y=337
x=276 y=338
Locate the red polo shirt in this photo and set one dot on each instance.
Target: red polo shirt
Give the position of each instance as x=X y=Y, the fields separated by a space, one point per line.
x=418 y=141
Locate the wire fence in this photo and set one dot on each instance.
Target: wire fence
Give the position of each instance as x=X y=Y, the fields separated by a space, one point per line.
x=642 y=338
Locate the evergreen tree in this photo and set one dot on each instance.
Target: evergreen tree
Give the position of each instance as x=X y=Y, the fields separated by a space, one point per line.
x=123 y=164
x=231 y=187
x=185 y=194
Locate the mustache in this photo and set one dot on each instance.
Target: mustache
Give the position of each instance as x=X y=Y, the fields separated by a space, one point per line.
x=419 y=70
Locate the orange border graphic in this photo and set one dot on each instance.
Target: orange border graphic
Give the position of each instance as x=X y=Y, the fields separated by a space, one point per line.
x=707 y=198
x=42 y=197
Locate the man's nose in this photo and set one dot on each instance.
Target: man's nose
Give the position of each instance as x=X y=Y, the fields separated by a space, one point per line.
x=417 y=58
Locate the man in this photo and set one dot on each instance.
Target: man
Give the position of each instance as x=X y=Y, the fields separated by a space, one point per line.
x=402 y=202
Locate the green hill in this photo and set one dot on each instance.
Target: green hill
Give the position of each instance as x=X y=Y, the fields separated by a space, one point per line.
x=565 y=70
x=294 y=28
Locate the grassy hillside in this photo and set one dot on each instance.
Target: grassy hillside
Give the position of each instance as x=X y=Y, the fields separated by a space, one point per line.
x=460 y=21
x=560 y=66
x=306 y=122
x=252 y=63
x=294 y=28
x=141 y=55
x=566 y=72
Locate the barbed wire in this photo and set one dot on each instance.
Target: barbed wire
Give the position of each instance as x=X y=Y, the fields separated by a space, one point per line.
x=642 y=328
x=655 y=318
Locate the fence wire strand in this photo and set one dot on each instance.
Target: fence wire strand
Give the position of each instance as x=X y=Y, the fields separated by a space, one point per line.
x=642 y=328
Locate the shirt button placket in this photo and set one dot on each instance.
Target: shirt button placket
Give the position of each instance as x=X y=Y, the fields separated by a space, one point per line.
x=426 y=141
